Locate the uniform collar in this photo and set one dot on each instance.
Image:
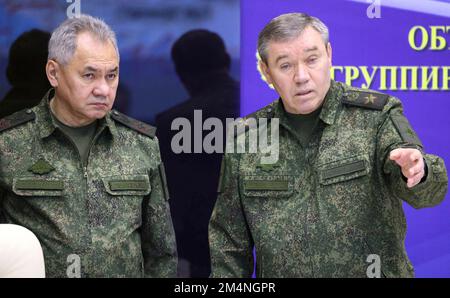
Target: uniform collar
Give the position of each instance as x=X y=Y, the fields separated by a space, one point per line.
x=330 y=106
x=331 y=103
x=110 y=124
x=46 y=124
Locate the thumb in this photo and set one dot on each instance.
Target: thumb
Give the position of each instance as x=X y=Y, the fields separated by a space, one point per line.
x=395 y=154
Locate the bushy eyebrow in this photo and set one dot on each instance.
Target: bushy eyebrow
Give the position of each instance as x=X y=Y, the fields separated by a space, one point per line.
x=115 y=69
x=280 y=57
x=93 y=69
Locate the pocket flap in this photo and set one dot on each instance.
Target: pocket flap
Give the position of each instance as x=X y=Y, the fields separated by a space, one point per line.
x=267 y=186
x=127 y=185
x=342 y=170
x=38 y=187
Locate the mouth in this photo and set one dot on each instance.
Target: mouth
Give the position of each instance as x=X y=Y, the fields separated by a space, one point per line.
x=99 y=105
x=303 y=93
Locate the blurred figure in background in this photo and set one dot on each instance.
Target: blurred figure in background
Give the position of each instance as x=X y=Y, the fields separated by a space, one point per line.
x=203 y=65
x=26 y=72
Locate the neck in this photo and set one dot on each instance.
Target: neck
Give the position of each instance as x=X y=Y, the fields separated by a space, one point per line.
x=64 y=116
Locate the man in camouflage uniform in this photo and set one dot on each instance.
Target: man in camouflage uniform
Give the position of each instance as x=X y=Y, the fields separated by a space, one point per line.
x=331 y=206
x=88 y=182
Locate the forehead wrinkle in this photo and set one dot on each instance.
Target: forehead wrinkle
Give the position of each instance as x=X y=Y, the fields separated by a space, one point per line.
x=311 y=49
x=94 y=51
x=296 y=46
x=97 y=69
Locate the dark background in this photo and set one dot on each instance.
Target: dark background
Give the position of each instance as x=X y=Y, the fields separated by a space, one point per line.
x=145 y=32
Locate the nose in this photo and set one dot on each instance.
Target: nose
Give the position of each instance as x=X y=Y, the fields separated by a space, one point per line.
x=101 y=89
x=301 y=75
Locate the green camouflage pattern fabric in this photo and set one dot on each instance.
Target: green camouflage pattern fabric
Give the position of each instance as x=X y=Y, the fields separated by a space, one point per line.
x=322 y=209
x=113 y=212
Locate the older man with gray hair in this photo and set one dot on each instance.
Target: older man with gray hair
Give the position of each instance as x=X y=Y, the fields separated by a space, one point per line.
x=87 y=181
x=332 y=204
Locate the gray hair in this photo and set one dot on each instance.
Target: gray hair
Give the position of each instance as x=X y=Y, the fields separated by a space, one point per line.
x=63 y=42
x=286 y=27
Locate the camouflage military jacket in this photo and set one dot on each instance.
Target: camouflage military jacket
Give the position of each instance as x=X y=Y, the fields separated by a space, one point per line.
x=329 y=209
x=108 y=217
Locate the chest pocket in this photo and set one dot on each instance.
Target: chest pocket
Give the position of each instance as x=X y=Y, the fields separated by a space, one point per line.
x=343 y=169
x=38 y=187
x=277 y=186
x=131 y=185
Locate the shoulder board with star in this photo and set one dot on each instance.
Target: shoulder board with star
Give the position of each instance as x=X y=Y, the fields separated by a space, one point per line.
x=365 y=99
x=16 y=119
x=134 y=124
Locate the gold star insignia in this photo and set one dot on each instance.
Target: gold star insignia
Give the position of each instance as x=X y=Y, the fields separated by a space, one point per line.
x=370 y=99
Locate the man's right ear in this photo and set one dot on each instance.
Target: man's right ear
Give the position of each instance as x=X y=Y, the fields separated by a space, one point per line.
x=52 y=69
x=264 y=70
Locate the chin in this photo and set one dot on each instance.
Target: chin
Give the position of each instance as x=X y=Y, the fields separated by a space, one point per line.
x=305 y=107
x=98 y=115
